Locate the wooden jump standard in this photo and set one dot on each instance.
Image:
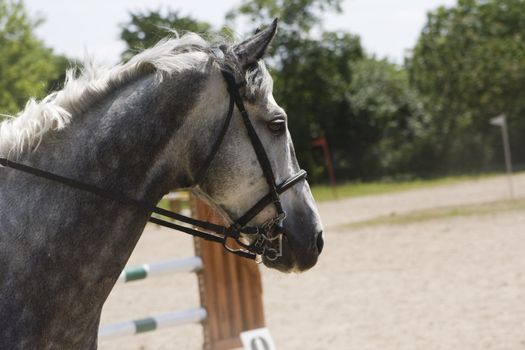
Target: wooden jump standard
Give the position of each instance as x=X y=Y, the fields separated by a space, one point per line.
x=230 y=290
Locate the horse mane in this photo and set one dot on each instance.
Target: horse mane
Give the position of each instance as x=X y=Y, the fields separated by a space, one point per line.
x=175 y=54
x=24 y=131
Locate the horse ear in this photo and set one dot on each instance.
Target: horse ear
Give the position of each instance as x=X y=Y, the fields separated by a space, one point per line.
x=252 y=49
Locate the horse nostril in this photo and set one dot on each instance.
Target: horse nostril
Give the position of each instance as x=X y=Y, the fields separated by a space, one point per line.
x=320 y=242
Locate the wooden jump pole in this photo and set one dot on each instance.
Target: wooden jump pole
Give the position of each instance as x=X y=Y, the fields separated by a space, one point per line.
x=230 y=289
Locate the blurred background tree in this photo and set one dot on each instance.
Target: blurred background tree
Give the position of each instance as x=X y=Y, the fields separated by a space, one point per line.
x=145 y=29
x=331 y=88
x=469 y=66
x=27 y=67
x=389 y=125
x=312 y=84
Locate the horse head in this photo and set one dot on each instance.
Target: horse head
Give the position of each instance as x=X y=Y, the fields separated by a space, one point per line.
x=236 y=177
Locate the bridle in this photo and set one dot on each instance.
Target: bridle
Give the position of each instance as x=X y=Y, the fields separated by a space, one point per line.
x=261 y=238
x=271 y=230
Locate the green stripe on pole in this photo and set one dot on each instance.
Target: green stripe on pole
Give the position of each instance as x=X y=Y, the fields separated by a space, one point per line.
x=145 y=325
x=135 y=273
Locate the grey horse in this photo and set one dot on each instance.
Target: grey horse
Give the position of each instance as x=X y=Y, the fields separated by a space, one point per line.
x=141 y=128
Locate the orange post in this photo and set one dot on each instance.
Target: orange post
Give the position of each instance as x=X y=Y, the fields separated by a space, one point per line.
x=230 y=289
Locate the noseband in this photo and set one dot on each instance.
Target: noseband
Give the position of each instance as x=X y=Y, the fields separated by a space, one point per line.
x=261 y=238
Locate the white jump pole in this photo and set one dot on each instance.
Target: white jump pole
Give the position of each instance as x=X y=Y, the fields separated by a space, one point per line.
x=152 y=323
x=191 y=264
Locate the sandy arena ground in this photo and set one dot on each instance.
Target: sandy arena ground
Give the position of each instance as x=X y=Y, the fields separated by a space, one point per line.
x=448 y=284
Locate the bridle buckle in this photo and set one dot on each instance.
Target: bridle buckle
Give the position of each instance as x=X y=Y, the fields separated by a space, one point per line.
x=273 y=254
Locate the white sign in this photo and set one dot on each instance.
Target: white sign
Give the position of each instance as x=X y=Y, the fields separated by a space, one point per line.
x=498 y=121
x=257 y=339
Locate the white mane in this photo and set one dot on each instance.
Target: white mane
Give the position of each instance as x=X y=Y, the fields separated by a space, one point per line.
x=24 y=132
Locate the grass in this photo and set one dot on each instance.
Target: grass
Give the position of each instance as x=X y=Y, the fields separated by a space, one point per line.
x=444 y=213
x=359 y=189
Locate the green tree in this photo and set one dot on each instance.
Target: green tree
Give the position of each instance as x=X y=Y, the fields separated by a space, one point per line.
x=145 y=29
x=389 y=126
x=364 y=107
x=310 y=74
x=297 y=18
x=312 y=84
x=469 y=65
x=26 y=65
x=297 y=15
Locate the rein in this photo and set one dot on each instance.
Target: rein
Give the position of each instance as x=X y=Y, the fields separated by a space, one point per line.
x=261 y=236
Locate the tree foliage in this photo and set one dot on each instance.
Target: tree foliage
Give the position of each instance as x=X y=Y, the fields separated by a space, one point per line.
x=329 y=87
x=390 y=126
x=297 y=18
x=311 y=84
x=427 y=118
x=294 y=15
x=26 y=66
x=469 y=66
x=145 y=29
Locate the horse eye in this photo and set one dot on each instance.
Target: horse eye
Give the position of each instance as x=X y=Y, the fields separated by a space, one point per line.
x=277 y=126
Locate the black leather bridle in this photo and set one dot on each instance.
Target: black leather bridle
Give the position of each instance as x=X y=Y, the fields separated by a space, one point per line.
x=261 y=238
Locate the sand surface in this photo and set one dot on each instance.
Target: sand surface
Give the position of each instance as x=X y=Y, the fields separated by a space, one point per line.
x=455 y=283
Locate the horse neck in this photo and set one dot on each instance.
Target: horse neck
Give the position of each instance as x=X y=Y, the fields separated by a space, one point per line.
x=120 y=142
x=69 y=246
